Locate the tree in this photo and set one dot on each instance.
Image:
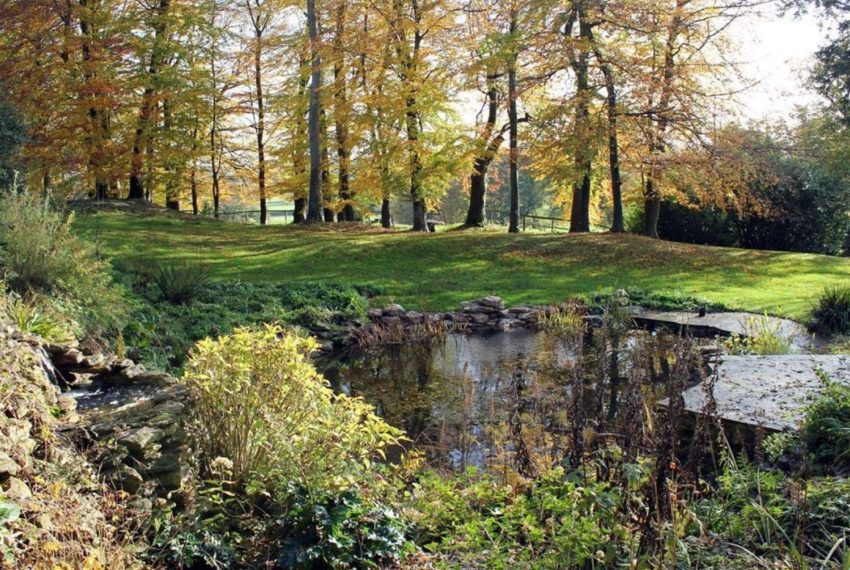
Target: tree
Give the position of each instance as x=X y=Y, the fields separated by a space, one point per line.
x=315 y=205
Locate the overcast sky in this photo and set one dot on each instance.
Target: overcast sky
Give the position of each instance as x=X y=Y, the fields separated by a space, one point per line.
x=777 y=52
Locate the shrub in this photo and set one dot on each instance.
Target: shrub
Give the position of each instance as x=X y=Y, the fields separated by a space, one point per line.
x=180 y=283
x=39 y=254
x=260 y=403
x=826 y=428
x=38 y=250
x=831 y=314
x=343 y=532
x=29 y=317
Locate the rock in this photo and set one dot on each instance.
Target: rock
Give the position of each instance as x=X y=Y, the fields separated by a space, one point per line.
x=413 y=317
x=8 y=466
x=126 y=478
x=472 y=308
x=67 y=404
x=479 y=318
x=79 y=380
x=17 y=490
x=393 y=310
x=510 y=324
x=121 y=364
x=374 y=314
x=492 y=301
x=70 y=357
x=140 y=439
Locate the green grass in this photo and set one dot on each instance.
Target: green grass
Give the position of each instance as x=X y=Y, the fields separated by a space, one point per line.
x=438 y=271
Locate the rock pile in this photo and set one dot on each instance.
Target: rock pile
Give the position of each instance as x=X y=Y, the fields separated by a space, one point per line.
x=486 y=313
x=136 y=435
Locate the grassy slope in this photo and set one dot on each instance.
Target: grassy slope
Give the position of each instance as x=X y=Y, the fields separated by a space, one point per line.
x=438 y=271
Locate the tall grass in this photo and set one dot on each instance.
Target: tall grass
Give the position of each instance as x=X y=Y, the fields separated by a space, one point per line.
x=831 y=313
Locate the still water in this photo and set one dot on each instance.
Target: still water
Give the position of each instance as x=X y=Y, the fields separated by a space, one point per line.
x=466 y=400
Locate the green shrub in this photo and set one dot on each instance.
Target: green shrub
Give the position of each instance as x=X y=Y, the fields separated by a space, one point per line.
x=826 y=428
x=37 y=249
x=831 y=314
x=562 y=520
x=180 y=283
x=40 y=254
x=260 y=403
x=343 y=531
x=29 y=317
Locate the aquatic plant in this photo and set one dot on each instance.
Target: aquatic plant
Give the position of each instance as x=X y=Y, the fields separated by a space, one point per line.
x=763 y=336
x=566 y=320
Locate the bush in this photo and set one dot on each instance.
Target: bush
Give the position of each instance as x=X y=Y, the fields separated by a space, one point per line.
x=343 y=532
x=180 y=283
x=40 y=255
x=562 y=520
x=260 y=403
x=831 y=314
x=826 y=429
x=29 y=317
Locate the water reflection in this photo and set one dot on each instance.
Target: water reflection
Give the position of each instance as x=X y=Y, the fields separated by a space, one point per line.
x=490 y=400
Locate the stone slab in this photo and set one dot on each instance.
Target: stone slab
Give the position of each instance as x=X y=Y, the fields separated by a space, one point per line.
x=768 y=391
x=726 y=324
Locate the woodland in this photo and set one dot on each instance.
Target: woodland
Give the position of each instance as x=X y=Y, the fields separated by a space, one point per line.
x=423 y=284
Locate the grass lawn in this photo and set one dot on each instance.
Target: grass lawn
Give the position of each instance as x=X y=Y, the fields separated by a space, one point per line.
x=437 y=271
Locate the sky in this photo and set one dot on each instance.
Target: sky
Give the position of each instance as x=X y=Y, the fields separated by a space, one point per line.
x=776 y=52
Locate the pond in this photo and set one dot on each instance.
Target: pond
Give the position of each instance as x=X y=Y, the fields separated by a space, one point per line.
x=478 y=400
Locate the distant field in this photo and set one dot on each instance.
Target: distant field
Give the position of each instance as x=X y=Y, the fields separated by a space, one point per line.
x=438 y=271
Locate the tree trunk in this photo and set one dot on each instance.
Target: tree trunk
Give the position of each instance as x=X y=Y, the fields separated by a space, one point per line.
x=142 y=140
x=315 y=206
x=652 y=210
x=476 y=215
x=617 y=224
x=657 y=146
x=259 y=28
x=193 y=181
x=298 y=215
x=386 y=216
x=341 y=116
x=514 y=134
x=99 y=125
x=215 y=165
x=580 y=213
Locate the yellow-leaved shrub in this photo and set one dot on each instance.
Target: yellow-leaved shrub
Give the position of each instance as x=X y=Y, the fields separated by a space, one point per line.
x=260 y=403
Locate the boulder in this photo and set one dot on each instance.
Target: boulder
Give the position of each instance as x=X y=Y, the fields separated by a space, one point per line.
x=392 y=310
x=139 y=440
x=491 y=301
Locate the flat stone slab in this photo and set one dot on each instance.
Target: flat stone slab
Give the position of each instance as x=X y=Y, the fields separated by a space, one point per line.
x=768 y=391
x=726 y=324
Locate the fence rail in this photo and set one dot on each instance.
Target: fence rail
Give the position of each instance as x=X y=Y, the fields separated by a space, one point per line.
x=527 y=221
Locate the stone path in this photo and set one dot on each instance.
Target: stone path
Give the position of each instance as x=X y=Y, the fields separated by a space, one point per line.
x=725 y=324
x=768 y=391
